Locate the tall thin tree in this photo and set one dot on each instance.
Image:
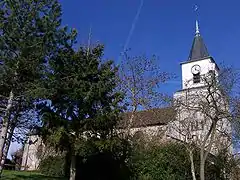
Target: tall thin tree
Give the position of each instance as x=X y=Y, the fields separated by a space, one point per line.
x=30 y=35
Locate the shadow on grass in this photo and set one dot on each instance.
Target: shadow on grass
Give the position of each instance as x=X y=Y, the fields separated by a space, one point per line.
x=37 y=177
x=20 y=175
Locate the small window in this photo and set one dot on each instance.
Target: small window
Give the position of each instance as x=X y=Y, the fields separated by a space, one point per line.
x=196 y=78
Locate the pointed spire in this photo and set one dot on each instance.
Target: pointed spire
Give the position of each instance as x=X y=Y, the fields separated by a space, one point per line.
x=197 y=29
x=199 y=49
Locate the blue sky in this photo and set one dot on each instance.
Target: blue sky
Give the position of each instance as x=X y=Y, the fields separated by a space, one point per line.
x=164 y=28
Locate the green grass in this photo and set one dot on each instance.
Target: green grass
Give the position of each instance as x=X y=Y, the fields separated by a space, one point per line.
x=20 y=175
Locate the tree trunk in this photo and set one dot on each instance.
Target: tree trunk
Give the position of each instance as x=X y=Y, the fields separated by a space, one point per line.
x=192 y=165
x=4 y=129
x=130 y=123
x=7 y=143
x=202 y=165
x=73 y=168
x=5 y=151
x=67 y=164
x=204 y=152
x=202 y=170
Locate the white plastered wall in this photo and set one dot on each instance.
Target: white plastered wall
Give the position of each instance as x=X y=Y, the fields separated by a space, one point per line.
x=187 y=77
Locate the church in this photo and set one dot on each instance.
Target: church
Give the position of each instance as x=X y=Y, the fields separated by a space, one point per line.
x=187 y=120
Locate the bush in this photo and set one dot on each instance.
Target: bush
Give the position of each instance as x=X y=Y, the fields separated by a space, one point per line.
x=171 y=162
x=17 y=158
x=53 y=166
x=104 y=160
x=161 y=163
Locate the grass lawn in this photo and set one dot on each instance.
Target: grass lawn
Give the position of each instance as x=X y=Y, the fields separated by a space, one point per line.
x=19 y=175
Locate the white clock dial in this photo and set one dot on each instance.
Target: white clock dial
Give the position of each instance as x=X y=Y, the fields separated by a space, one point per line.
x=196 y=69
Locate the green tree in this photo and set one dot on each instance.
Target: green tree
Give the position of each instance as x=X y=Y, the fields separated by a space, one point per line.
x=168 y=161
x=83 y=101
x=30 y=35
x=171 y=161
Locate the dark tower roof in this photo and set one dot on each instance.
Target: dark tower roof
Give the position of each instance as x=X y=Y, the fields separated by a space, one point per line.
x=199 y=49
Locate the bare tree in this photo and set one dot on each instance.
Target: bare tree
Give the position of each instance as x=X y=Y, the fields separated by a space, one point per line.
x=140 y=80
x=204 y=117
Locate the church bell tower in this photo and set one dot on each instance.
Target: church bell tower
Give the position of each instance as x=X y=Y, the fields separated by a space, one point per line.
x=200 y=102
x=198 y=64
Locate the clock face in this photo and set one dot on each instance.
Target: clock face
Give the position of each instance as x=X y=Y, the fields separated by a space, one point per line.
x=196 y=69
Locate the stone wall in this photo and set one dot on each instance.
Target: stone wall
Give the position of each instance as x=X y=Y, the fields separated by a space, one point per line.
x=31 y=155
x=30 y=160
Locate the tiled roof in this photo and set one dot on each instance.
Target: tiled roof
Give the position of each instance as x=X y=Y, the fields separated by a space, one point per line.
x=153 y=117
x=198 y=50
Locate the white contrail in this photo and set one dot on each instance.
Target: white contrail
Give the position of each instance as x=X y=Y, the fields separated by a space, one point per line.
x=133 y=25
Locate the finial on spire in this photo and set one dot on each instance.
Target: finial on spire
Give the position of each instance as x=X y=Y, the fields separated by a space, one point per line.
x=197 y=25
x=199 y=50
x=195 y=8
